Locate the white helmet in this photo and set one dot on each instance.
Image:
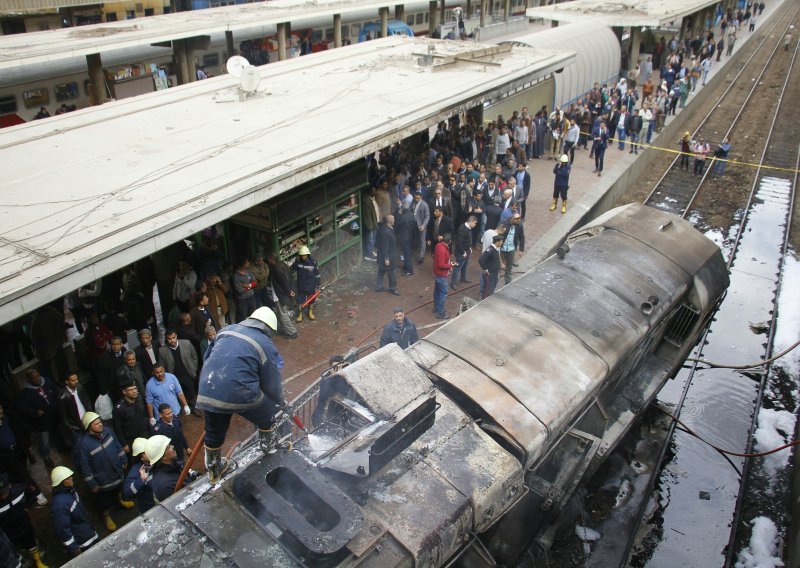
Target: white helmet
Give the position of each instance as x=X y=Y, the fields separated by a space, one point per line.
x=155 y=447
x=138 y=445
x=88 y=418
x=59 y=474
x=564 y=158
x=304 y=251
x=267 y=316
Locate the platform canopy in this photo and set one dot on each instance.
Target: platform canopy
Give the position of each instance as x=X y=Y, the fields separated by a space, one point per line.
x=54 y=45
x=89 y=192
x=634 y=13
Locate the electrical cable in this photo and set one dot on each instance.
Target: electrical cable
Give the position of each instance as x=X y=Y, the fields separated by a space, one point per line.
x=723 y=451
x=759 y=364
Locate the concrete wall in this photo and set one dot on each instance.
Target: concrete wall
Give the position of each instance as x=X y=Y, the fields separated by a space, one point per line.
x=488 y=33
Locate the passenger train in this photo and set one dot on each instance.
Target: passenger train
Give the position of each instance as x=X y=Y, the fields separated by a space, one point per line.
x=462 y=449
x=24 y=90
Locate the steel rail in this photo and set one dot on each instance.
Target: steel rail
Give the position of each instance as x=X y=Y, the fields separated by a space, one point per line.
x=720 y=102
x=693 y=369
x=730 y=551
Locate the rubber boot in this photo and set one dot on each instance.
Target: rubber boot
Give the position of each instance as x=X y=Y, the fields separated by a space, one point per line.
x=553 y=206
x=111 y=526
x=216 y=465
x=299 y=316
x=268 y=439
x=311 y=315
x=37 y=559
x=564 y=206
x=126 y=504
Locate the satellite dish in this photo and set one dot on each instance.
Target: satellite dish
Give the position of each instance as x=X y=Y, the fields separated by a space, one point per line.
x=236 y=64
x=250 y=79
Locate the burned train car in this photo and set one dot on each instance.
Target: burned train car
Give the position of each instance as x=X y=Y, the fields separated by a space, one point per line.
x=463 y=448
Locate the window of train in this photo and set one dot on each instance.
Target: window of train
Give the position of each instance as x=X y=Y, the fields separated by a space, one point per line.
x=149 y=11
x=130 y=14
x=316 y=36
x=328 y=34
x=8 y=104
x=210 y=59
x=410 y=20
x=111 y=16
x=356 y=28
x=421 y=18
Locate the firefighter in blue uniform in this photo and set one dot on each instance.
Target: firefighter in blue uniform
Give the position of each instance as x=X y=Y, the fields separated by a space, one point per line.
x=15 y=498
x=241 y=375
x=70 y=520
x=308 y=281
x=165 y=468
x=136 y=487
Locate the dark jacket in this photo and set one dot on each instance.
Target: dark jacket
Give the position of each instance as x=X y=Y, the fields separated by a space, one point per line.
x=445 y=228
x=134 y=489
x=403 y=336
x=70 y=521
x=600 y=138
x=33 y=399
x=562 y=174
x=406 y=227
x=188 y=356
x=446 y=206
x=307 y=274
x=633 y=124
x=164 y=479
x=387 y=246
x=107 y=366
x=130 y=420
x=144 y=359
x=281 y=281
x=14 y=519
x=102 y=461
x=68 y=410
x=174 y=432
x=238 y=376
x=490 y=260
x=127 y=374
x=493 y=213
x=462 y=243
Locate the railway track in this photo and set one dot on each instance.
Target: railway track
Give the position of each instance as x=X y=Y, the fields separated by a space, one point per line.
x=774 y=177
x=747 y=99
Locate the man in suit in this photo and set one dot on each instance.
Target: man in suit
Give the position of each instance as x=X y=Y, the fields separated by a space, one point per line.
x=387 y=253
x=422 y=215
x=462 y=250
x=179 y=357
x=147 y=352
x=439 y=226
x=524 y=183
x=490 y=263
x=440 y=200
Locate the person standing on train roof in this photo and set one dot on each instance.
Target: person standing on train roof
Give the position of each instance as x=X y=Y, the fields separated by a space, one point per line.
x=308 y=282
x=241 y=375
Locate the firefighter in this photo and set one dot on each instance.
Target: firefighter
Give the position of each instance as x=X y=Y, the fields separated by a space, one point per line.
x=15 y=498
x=165 y=469
x=70 y=520
x=103 y=464
x=308 y=282
x=241 y=375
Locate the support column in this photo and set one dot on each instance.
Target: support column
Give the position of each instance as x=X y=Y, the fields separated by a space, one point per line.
x=469 y=10
x=432 y=16
x=98 y=78
x=506 y=10
x=337 y=30
x=281 y=32
x=400 y=12
x=229 y=44
x=182 y=71
x=191 y=66
x=384 y=12
x=636 y=36
x=684 y=28
x=441 y=12
x=484 y=7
